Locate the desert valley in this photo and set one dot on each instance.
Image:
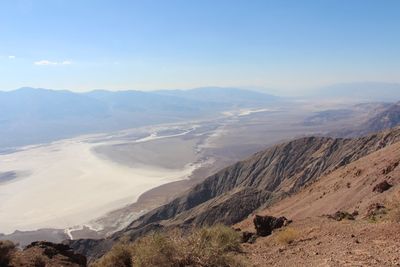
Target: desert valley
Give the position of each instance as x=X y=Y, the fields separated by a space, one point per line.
x=199 y=133
x=125 y=174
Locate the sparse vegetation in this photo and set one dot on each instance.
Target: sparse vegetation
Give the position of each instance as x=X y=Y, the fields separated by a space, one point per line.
x=375 y=212
x=119 y=256
x=7 y=250
x=341 y=215
x=286 y=235
x=213 y=246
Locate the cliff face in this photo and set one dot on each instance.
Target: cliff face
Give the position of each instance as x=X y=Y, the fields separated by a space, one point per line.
x=233 y=193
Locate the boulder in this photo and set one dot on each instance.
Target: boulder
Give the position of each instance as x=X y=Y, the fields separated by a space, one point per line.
x=382 y=187
x=266 y=224
x=248 y=237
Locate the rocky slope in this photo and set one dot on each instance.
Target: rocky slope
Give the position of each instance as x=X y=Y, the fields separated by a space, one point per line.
x=230 y=195
x=387 y=118
x=370 y=238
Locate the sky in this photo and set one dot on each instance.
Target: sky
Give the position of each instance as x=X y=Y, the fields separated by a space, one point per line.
x=146 y=45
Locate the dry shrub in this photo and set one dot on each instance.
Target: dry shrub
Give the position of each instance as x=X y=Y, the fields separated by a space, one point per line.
x=286 y=235
x=119 y=256
x=7 y=251
x=157 y=250
x=215 y=246
x=376 y=212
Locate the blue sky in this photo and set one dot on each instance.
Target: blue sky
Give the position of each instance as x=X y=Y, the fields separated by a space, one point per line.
x=289 y=45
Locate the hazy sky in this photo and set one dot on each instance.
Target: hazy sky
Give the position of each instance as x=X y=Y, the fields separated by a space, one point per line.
x=115 y=44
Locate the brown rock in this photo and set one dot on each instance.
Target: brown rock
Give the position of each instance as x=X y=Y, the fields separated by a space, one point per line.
x=266 y=224
x=382 y=187
x=248 y=237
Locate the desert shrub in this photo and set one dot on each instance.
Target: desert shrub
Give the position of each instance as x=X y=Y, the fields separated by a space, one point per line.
x=119 y=256
x=157 y=250
x=376 y=212
x=215 y=246
x=286 y=235
x=7 y=250
x=341 y=215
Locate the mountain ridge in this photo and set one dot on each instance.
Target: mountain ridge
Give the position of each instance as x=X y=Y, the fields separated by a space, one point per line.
x=49 y=115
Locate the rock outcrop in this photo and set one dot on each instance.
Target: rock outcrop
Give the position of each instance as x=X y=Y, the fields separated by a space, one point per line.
x=266 y=224
x=382 y=187
x=44 y=253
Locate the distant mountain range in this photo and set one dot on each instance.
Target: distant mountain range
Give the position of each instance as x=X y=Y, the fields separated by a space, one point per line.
x=30 y=115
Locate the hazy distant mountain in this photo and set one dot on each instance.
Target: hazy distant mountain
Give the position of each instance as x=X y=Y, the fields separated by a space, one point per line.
x=231 y=96
x=29 y=115
x=26 y=103
x=354 y=113
x=385 y=119
x=363 y=91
